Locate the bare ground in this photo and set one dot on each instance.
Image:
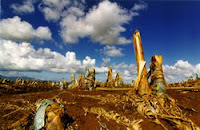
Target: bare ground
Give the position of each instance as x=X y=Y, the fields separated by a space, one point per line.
x=85 y=108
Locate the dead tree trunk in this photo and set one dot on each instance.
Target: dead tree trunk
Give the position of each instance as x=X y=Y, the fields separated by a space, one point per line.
x=141 y=80
x=110 y=80
x=157 y=83
x=157 y=105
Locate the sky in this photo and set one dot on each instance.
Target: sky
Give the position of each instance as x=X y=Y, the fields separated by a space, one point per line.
x=50 y=39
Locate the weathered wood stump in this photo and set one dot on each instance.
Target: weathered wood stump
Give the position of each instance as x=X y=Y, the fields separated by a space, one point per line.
x=141 y=84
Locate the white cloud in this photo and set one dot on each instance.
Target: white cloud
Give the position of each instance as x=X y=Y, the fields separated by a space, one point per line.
x=121 y=65
x=101 y=69
x=181 y=70
x=23 y=57
x=103 y=24
x=73 y=11
x=127 y=76
x=26 y=7
x=43 y=33
x=51 y=14
x=105 y=62
x=128 y=72
x=16 y=29
x=52 y=9
x=88 y=62
x=140 y=6
x=112 y=51
x=60 y=4
x=73 y=29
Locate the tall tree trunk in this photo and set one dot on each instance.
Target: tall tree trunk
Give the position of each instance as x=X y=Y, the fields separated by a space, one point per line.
x=142 y=82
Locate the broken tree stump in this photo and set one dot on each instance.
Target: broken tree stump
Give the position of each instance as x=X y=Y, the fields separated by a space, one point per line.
x=73 y=81
x=155 y=105
x=141 y=84
x=157 y=82
x=110 y=80
x=79 y=80
x=118 y=80
x=90 y=79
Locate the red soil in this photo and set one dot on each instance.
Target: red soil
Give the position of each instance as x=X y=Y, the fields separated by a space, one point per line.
x=74 y=104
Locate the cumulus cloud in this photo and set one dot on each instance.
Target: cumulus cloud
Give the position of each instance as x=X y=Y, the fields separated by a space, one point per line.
x=16 y=29
x=43 y=33
x=88 y=62
x=101 y=69
x=181 y=70
x=23 y=57
x=52 y=9
x=103 y=24
x=24 y=8
x=121 y=65
x=128 y=71
x=105 y=62
x=112 y=51
x=51 y=14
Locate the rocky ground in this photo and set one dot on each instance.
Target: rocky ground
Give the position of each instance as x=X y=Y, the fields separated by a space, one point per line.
x=91 y=110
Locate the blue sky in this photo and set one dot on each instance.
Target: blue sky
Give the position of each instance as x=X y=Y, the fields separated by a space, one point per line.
x=49 y=39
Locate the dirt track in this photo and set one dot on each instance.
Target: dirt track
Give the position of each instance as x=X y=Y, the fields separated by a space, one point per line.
x=85 y=108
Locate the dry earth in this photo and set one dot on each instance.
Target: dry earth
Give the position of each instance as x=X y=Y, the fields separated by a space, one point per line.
x=90 y=110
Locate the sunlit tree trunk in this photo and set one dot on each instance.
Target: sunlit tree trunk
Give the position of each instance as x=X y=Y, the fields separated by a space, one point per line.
x=141 y=83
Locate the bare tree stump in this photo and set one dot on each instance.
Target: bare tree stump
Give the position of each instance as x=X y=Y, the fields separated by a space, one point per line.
x=141 y=80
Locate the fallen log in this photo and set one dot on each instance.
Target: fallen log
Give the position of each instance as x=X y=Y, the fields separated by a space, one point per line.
x=127 y=89
x=183 y=88
x=113 y=89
